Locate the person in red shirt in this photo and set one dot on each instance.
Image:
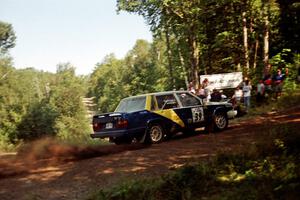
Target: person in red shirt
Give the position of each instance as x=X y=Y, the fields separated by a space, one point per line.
x=268 y=85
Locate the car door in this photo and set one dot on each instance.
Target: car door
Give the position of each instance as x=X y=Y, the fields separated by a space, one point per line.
x=167 y=104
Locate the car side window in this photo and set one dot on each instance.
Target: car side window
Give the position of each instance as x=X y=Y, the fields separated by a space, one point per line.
x=187 y=99
x=166 y=101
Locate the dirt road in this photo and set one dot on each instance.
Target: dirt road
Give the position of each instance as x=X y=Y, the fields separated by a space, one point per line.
x=73 y=173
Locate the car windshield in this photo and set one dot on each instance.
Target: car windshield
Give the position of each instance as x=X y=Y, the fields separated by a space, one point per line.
x=131 y=104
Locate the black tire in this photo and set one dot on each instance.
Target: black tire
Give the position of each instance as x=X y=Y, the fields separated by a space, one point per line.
x=155 y=134
x=220 y=121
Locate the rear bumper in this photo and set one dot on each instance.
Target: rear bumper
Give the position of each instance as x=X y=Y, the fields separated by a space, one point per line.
x=105 y=134
x=131 y=132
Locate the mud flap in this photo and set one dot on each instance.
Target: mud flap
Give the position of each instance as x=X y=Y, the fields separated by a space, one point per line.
x=143 y=139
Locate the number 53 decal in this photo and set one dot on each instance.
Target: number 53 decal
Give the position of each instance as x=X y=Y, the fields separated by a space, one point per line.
x=198 y=115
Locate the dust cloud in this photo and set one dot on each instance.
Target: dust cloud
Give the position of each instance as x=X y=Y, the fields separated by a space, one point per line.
x=49 y=151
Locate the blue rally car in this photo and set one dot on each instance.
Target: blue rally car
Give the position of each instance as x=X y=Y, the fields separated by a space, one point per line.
x=150 y=118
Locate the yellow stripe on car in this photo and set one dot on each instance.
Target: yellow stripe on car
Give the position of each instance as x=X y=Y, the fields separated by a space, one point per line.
x=170 y=114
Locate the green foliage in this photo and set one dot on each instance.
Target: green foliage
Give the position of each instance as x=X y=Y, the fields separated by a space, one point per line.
x=39 y=121
x=65 y=97
x=35 y=104
x=7 y=37
x=106 y=83
x=73 y=129
x=138 y=73
x=19 y=89
x=281 y=60
x=130 y=190
x=207 y=37
x=289 y=25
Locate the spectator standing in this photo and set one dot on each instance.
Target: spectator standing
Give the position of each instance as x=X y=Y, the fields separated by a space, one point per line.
x=204 y=84
x=260 y=92
x=191 y=88
x=215 y=96
x=268 y=85
x=200 y=92
x=247 y=94
x=244 y=82
x=278 y=81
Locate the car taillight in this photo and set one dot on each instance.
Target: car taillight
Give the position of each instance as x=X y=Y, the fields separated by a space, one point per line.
x=96 y=126
x=122 y=123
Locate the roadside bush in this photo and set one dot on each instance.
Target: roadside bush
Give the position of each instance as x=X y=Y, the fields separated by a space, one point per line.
x=5 y=144
x=38 y=122
x=72 y=129
x=289 y=100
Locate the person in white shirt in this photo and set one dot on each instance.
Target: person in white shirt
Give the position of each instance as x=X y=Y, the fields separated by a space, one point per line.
x=247 y=94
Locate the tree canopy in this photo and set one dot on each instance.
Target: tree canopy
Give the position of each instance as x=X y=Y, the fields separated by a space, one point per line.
x=7 y=37
x=220 y=36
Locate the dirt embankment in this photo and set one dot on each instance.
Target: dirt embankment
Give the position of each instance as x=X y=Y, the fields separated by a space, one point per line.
x=47 y=169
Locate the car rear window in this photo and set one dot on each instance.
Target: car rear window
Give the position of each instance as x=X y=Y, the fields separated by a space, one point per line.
x=131 y=104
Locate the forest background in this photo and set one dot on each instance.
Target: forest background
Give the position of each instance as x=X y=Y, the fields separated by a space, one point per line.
x=190 y=38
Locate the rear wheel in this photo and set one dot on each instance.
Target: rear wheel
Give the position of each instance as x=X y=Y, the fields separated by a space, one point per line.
x=220 y=121
x=155 y=133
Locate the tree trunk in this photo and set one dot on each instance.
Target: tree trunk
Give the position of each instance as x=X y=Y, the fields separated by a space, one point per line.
x=194 y=58
x=255 y=53
x=195 y=63
x=169 y=54
x=266 y=39
x=245 y=36
x=238 y=67
x=253 y=47
x=183 y=67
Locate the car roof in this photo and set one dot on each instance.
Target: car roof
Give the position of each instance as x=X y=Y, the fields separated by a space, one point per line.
x=158 y=93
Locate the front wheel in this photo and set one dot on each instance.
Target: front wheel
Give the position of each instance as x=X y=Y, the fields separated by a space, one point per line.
x=220 y=121
x=155 y=134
